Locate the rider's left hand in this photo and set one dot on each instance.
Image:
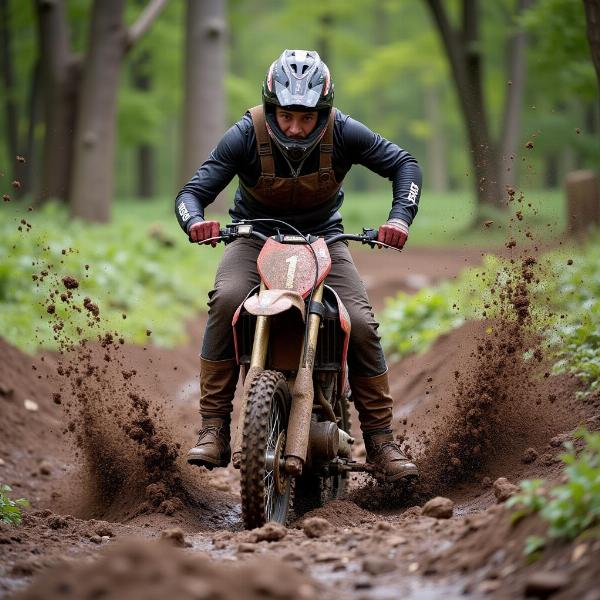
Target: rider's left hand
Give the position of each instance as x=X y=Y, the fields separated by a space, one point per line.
x=394 y=233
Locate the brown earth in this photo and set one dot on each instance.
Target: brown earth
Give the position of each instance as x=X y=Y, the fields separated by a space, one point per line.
x=93 y=436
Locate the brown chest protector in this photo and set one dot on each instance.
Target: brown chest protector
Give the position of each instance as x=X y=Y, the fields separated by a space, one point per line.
x=286 y=194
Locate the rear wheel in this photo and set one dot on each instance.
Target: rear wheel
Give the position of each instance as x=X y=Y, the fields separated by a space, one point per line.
x=314 y=490
x=265 y=486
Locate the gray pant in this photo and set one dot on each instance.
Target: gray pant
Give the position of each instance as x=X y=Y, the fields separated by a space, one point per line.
x=237 y=275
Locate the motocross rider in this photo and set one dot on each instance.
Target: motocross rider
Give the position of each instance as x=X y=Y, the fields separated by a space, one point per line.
x=291 y=155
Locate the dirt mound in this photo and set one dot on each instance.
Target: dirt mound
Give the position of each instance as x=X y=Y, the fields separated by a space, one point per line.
x=148 y=570
x=490 y=550
x=94 y=437
x=483 y=394
x=127 y=448
x=340 y=513
x=107 y=410
x=498 y=404
x=44 y=538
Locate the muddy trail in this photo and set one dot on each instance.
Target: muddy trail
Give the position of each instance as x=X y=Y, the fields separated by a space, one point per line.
x=94 y=436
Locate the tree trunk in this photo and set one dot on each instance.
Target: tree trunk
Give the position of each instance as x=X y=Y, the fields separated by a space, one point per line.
x=26 y=174
x=8 y=80
x=464 y=55
x=92 y=177
x=323 y=42
x=437 y=158
x=60 y=77
x=146 y=171
x=511 y=122
x=551 y=172
x=592 y=14
x=583 y=203
x=142 y=80
x=204 y=102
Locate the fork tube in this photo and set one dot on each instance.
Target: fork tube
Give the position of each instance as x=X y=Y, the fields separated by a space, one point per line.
x=258 y=359
x=303 y=396
x=260 y=343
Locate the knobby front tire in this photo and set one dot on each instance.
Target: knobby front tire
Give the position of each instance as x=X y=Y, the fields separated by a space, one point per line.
x=266 y=490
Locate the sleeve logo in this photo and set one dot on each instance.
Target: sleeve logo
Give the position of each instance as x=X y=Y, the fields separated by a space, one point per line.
x=412 y=193
x=183 y=212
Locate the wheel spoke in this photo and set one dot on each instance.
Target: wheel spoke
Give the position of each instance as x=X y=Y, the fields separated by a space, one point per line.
x=269 y=488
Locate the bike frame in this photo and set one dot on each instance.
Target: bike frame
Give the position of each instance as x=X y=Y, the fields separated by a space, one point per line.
x=298 y=279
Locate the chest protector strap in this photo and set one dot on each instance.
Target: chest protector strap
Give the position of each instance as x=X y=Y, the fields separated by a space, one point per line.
x=265 y=150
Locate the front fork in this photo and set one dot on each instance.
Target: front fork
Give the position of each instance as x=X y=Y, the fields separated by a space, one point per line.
x=258 y=359
x=296 y=444
x=303 y=394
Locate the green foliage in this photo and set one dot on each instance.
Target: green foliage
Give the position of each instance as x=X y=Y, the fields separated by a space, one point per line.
x=575 y=294
x=572 y=507
x=10 y=510
x=530 y=500
x=534 y=544
x=565 y=305
x=137 y=267
x=559 y=49
x=413 y=322
x=575 y=505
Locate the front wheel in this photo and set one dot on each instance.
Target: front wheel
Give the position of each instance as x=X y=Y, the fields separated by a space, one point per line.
x=265 y=486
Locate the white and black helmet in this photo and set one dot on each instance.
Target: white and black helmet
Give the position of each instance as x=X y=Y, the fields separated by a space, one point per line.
x=298 y=80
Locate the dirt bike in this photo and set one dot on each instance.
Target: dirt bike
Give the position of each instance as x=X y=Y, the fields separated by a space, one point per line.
x=291 y=334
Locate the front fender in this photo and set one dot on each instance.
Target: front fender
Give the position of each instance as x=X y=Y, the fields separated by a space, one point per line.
x=273 y=302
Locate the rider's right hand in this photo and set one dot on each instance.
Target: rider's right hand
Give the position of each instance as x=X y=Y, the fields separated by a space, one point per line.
x=199 y=232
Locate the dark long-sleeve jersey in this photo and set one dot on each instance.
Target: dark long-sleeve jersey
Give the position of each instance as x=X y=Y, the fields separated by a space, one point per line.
x=353 y=143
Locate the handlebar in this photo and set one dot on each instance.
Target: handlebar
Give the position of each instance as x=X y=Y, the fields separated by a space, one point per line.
x=242 y=229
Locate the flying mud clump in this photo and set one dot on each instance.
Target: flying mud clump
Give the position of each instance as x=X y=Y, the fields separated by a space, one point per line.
x=498 y=394
x=129 y=459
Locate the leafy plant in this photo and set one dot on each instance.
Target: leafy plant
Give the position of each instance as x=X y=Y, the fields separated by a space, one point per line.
x=10 y=510
x=413 y=322
x=149 y=273
x=565 y=307
x=575 y=505
x=569 y=508
x=530 y=500
x=534 y=544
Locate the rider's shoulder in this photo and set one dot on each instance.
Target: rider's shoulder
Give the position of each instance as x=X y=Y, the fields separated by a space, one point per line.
x=349 y=129
x=347 y=124
x=245 y=123
x=340 y=117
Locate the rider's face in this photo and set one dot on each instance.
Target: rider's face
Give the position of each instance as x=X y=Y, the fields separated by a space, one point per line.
x=296 y=125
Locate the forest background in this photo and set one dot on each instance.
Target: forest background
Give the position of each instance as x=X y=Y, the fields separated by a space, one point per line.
x=108 y=107
x=190 y=70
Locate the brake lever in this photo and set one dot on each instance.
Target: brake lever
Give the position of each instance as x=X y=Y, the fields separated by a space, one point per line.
x=382 y=245
x=219 y=238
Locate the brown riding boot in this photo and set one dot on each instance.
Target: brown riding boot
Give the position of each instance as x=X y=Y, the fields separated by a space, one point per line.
x=371 y=396
x=385 y=454
x=218 y=380
x=212 y=448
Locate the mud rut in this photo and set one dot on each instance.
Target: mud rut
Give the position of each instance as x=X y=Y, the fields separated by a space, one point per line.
x=100 y=458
